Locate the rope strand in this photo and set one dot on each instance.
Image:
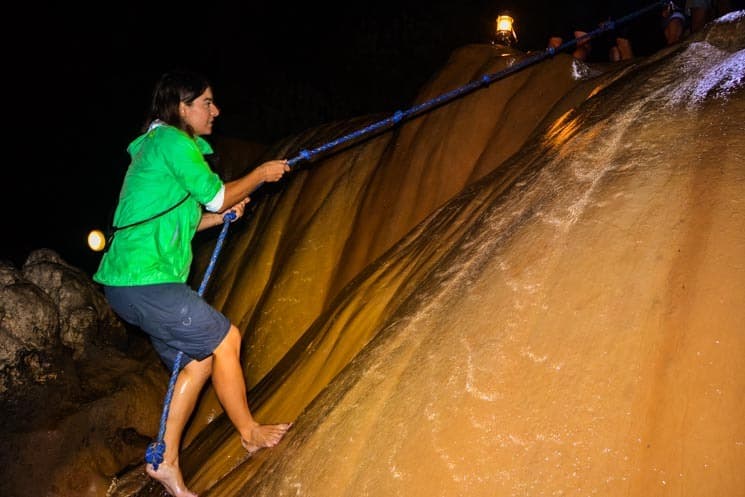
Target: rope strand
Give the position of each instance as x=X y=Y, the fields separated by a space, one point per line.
x=484 y=80
x=155 y=450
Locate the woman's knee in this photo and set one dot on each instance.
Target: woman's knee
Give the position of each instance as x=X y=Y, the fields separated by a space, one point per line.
x=199 y=369
x=231 y=342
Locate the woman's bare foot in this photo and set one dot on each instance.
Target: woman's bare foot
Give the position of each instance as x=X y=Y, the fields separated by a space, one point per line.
x=263 y=436
x=170 y=477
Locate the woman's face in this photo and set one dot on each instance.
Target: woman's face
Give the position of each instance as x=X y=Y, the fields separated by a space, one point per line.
x=200 y=113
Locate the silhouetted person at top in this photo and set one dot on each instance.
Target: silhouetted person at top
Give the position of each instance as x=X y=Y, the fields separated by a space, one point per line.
x=581 y=50
x=171 y=186
x=674 y=23
x=615 y=44
x=569 y=25
x=703 y=11
x=622 y=50
x=700 y=12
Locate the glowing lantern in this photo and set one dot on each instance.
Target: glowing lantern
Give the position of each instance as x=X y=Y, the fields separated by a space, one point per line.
x=505 y=33
x=96 y=240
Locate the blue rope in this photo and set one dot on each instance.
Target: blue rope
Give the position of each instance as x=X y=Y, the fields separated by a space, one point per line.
x=155 y=450
x=484 y=80
x=230 y=216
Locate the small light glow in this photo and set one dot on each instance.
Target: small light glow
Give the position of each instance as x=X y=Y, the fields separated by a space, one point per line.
x=504 y=23
x=96 y=240
x=505 y=32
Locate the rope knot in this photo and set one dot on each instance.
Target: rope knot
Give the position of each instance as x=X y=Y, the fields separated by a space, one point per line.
x=154 y=453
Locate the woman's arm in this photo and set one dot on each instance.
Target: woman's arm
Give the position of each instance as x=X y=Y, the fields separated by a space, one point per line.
x=210 y=219
x=242 y=187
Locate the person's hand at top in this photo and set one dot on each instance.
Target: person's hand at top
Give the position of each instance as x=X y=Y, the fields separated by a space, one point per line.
x=273 y=170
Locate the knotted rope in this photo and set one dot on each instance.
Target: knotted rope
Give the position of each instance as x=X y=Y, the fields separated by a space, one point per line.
x=155 y=450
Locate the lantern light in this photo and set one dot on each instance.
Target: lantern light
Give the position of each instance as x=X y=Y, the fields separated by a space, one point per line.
x=96 y=240
x=505 y=31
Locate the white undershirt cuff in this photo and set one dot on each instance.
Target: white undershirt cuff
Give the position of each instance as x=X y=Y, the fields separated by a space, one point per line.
x=215 y=204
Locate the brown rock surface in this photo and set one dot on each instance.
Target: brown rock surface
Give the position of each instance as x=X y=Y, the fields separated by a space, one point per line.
x=568 y=324
x=536 y=290
x=80 y=398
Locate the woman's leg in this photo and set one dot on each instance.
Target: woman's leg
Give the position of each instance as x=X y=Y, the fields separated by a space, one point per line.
x=230 y=386
x=188 y=385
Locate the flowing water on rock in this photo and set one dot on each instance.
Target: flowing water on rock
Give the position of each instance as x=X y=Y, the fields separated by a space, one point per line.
x=570 y=323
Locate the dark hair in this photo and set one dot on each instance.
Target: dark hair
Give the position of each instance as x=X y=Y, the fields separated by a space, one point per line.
x=171 y=89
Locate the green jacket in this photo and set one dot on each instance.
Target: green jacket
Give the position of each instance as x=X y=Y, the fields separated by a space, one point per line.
x=166 y=165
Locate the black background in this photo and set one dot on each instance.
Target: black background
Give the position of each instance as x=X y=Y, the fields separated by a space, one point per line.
x=78 y=80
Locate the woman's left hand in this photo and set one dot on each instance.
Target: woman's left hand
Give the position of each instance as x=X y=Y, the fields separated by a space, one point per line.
x=239 y=208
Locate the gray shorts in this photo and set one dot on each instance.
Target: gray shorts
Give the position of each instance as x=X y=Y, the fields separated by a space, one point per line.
x=174 y=316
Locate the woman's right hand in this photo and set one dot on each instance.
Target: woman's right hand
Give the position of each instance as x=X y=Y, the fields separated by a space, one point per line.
x=273 y=170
